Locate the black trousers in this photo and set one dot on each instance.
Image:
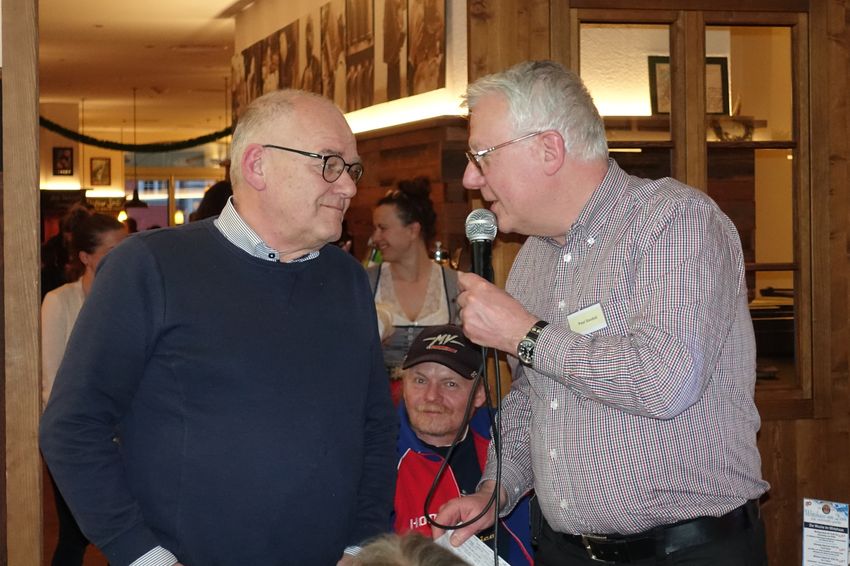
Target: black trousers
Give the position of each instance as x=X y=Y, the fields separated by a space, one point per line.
x=746 y=548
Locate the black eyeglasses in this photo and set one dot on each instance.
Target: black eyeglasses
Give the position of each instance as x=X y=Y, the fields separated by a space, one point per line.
x=332 y=165
x=475 y=157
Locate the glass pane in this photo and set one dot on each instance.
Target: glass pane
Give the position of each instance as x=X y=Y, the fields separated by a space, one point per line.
x=754 y=187
x=188 y=194
x=775 y=326
x=615 y=62
x=755 y=103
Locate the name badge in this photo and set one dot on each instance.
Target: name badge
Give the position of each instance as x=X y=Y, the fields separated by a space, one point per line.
x=587 y=320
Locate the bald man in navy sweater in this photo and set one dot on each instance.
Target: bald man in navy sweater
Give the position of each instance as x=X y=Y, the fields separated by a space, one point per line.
x=223 y=400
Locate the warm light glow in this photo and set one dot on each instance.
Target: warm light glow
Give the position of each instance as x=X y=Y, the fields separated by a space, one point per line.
x=122 y=216
x=623 y=104
x=440 y=102
x=69 y=185
x=624 y=150
x=105 y=193
x=178 y=217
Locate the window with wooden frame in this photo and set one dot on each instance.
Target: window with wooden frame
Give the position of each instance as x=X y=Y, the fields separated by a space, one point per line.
x=719 y=100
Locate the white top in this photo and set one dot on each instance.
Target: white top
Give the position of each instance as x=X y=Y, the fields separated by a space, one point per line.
x=434 y=310
x=58 y=314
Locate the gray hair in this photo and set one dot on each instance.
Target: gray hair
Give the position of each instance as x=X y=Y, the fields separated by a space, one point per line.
x=411 y=549
x=261 y=114
x=544 y=95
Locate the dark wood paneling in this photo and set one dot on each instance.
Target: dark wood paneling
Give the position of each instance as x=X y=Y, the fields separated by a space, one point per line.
x=431 y=148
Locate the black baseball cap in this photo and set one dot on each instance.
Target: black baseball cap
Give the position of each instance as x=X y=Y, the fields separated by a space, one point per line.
x=445 y=345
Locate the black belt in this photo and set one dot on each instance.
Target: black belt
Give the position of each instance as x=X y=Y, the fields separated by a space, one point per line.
x=665 y=540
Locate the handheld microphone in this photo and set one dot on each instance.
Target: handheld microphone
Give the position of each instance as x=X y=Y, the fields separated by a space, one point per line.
x=481 y=229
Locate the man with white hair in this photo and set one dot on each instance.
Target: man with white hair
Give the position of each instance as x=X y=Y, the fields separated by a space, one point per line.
x=631 y=413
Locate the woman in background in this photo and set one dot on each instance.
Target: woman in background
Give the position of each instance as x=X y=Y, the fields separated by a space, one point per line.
x=409 y=288
x=91 y=239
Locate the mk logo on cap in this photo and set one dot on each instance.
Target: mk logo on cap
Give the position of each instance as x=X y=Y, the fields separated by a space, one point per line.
x=439 y=342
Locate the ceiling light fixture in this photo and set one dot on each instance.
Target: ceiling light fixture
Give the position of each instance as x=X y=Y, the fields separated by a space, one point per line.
x=135 y=202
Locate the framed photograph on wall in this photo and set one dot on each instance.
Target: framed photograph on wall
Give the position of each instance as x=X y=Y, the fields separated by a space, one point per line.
x=100 y=173
x=426 y=51
x=63 y=161
x=716 y=84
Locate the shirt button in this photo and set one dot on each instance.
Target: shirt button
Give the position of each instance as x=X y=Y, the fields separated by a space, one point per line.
x=561 y=304
x=563 y=504
x=568 y=257
x=516 y=490
x=271 y=256
x=591 y=241
x=554 y=404
x=553 y=453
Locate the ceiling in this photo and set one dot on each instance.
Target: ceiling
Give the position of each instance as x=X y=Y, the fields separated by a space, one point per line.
x=174 y=53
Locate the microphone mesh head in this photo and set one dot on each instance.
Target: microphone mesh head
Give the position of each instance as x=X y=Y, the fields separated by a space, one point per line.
x=481 y=226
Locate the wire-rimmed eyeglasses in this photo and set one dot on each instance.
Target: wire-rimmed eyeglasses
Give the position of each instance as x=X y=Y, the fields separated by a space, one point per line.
x=332 y=165
x=475 y=157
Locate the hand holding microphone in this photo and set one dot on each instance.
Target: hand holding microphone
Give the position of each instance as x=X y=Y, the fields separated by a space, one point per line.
x=490 y=316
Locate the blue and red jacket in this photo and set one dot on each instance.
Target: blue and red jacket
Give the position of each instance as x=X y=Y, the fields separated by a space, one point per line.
x=418 y=464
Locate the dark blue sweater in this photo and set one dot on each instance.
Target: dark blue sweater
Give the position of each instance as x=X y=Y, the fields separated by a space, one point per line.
x=230 y=409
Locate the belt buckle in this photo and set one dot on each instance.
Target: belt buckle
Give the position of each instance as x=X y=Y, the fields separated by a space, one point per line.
x=588 y=540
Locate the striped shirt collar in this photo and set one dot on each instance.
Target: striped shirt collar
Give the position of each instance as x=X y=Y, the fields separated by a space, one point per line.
x=236 y=230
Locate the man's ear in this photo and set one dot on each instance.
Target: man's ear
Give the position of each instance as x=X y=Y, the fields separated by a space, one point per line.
x=554 y=152
x=251 y=166
x=480 y=396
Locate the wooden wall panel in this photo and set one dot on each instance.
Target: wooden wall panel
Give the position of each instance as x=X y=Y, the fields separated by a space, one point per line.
x=505 y=32
x=431 y=148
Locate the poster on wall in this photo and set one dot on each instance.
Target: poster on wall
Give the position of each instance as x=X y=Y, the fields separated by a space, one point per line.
x=253 y=62
x=332 y=15
x=391 y=84
x=360 y=53
x=288 y=45
x=427 y=48
x=355 y=52
x=825 y=533
x=270 y=70
x=238 y=88
x=63 y=161
x=311 y=75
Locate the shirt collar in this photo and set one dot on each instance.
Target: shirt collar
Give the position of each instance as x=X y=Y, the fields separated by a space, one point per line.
x=236 y=230
x=593 y=216
x=597 y=209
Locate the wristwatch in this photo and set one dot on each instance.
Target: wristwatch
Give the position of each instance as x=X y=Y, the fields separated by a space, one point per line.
x=525 y=348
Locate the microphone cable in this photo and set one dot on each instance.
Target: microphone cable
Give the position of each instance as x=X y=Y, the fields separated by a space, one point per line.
x=496 y=435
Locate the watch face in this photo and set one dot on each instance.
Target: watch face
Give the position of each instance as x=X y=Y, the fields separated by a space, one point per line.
x=525 y=351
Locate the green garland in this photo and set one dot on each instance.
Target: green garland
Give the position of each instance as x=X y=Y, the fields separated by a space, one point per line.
x=141 y=148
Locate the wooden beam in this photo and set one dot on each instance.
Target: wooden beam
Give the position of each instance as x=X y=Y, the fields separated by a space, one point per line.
x=21 y=297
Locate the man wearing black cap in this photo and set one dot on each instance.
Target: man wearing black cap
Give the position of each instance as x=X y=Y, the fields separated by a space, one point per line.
x=440 y=374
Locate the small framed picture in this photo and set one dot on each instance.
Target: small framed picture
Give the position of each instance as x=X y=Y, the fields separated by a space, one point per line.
x=101 y=171
x=63 y=161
